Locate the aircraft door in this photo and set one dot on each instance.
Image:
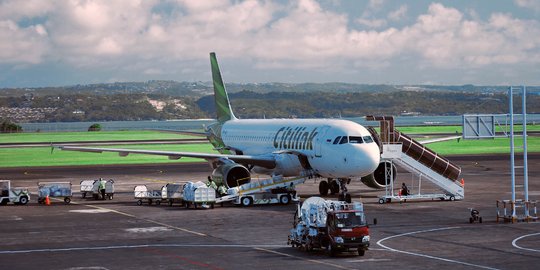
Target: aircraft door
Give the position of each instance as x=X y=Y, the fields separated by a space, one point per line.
x=320 y=140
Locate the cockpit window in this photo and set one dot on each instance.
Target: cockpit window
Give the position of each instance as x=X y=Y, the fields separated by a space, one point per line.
x=355 y=139
x=337 y=139
x=368 y=139
x=344 y=139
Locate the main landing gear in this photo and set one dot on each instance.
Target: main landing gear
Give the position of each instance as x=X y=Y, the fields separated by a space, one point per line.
x=335 y=186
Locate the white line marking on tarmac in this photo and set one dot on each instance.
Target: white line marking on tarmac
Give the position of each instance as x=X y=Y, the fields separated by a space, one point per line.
x=136 y=246
x=91 y=211
x=303 y=259
x=369 y=260
x=521 y=237
x=429 y=256
x=148 y=229
x=149 y=220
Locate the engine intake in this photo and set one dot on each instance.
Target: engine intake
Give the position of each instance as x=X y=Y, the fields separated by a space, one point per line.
x=231 y=175
x=377 y=178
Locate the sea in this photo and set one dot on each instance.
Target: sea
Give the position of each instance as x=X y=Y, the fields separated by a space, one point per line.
x=197 y=124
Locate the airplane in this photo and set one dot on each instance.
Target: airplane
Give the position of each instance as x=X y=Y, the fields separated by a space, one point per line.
x=336 y=149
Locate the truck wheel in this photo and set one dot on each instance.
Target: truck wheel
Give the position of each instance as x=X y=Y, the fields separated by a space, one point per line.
x=361 y=252
x=246 y=201
x=285 y=199
x=139 y=202
x=452 y=198
x=23 y=200
x=67 y=200
x=331 y=251
x=323 y=188
x=381 y=201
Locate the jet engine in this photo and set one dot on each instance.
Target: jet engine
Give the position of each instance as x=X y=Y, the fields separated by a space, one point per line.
x=231 y=175
x=377 y=178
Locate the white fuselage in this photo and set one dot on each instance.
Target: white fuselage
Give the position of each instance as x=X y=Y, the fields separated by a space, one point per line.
x=334 y=148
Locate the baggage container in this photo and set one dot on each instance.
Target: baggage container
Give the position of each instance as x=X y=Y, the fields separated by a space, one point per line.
x=142 y=192
x=172 y=193
x=198 y=194
x=54 y=190
x=91 y=188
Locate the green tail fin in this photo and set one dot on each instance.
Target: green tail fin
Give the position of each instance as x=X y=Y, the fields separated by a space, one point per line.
x=223 y=107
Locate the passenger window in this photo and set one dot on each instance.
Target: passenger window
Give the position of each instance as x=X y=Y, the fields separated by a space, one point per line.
x=355 y=139
x=343 y=140
x=368 y=139
x=337 y=139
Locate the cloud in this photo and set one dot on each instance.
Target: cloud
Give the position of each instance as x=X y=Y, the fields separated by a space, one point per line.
x=532 y=4
x=398 y=14
x=160 y=37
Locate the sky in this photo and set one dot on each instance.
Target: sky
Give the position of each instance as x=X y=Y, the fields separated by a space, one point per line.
x=453 y=42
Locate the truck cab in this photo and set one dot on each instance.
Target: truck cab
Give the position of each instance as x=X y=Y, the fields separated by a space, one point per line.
x=17 y=195
x=347 y=229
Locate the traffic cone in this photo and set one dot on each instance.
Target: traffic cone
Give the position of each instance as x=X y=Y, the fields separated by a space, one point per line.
x=47 y=200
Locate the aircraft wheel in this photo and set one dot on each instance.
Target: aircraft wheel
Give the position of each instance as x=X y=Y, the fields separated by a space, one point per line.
x=334 y=187
x=323 y=188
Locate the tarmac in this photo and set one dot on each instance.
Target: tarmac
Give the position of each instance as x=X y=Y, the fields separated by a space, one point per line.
x=118 y=234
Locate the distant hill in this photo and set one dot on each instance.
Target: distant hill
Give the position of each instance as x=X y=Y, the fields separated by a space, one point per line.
x=161 y=100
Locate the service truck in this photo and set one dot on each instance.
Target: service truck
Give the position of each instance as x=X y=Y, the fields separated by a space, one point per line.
x=16 y=195
x=332 y=225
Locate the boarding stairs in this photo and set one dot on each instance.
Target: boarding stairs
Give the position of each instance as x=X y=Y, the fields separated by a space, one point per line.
x=416 y=158
x=265 y=185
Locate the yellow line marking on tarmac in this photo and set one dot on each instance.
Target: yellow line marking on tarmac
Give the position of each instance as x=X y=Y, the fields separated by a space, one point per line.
x=303 y=259
x=155 y=180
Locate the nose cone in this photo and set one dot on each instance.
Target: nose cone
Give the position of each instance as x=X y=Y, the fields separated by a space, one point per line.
x=368 y=159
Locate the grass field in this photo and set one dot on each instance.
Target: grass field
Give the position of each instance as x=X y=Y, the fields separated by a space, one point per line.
x=90 y=136
x=41 y=156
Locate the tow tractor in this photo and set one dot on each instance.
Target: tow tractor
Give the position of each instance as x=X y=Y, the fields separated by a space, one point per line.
x=332 y=225
x=16 y=195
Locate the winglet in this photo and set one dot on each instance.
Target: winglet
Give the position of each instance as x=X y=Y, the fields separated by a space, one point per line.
x=223 y=107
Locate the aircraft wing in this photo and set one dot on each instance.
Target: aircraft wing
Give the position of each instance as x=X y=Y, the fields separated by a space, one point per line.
x=264 y=161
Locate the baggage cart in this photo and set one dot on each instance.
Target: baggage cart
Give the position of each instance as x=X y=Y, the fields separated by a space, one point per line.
x=198 y=194
x=16 y=195
x=91 y=188
x=142 y=192
x=172 y=193
x=54 y=190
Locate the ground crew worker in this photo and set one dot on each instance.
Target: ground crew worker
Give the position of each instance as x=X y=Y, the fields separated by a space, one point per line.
x=211 y=183
x=222 y=190
x=404 y=190
x=102 y=188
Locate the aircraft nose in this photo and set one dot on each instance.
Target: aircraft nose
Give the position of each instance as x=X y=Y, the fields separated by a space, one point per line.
x=369 y=160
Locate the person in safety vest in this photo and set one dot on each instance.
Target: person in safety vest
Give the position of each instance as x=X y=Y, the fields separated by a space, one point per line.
x=102 y=188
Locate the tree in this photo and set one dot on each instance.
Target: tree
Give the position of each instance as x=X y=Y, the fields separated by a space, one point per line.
x=95 y=127
x=10 y=127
